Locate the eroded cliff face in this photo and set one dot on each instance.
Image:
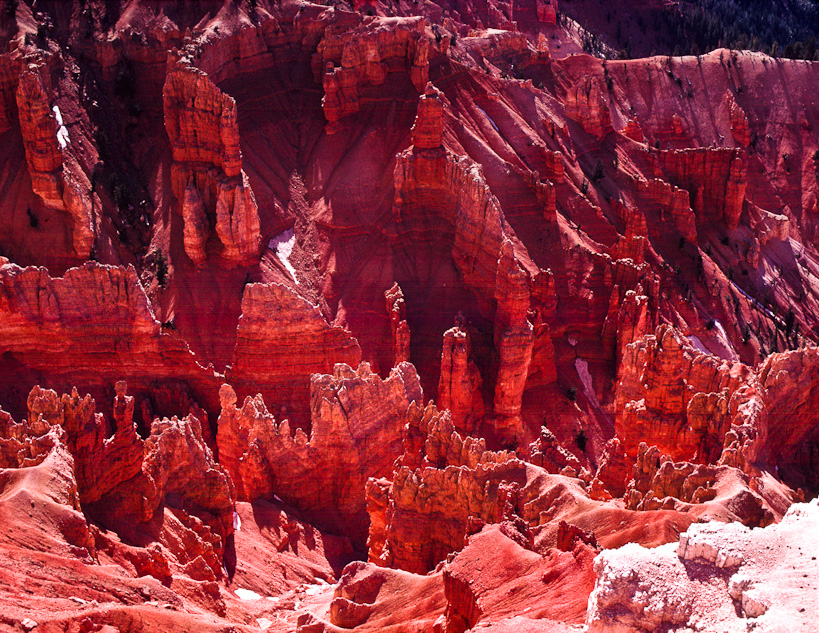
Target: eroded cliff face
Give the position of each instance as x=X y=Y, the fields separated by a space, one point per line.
x=207 y=177
x=245 y=247
x=279 y=362
x=91 y=327
x=55 y=176
x=356 y=431
x=364 y=55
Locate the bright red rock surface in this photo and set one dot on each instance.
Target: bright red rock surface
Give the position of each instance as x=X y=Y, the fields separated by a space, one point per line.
x=399 y=316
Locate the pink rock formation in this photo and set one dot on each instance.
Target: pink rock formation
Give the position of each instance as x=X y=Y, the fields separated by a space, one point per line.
x=663 y=385
x=487 y=258
x=554 y=164
x=371 y=598
x=789 y=399
x=346 y=61
x=560 y=278
x=739 y=121
x=586 y=104
x=547 y=11
x=124 y=482
x=44 y=140
x=547 y=453
x=357 y=422
x=715 y=179
x=768 y=226
x=427 y=133
x=397 y=311
x=626 y=321
x=207 y=177
x=278 y=361
x=39 y=129
x=10 y=66
x=428 y=508
x=633 y=130
x=613 y=471
x=104 y=458
x=660 y=483
x=459 y=386
x=721 y=576
x=674 y=199
x=91 y=327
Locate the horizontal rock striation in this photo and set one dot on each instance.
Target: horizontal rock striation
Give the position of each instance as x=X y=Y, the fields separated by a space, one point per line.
x=91 y=327
x=212 y=191
x=347 y=60
x=357 y=429
x=715 y=178
x=281 y=340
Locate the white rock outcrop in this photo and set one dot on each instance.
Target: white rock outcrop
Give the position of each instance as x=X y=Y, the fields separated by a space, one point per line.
x=719 y=578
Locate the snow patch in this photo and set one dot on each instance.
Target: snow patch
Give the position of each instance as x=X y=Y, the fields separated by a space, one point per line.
x=264 y=623
x=247 y=594
x=237 y=522
x=723 y=335
x=282 y=245
x=312 y=590
x=698 y=344
x=582 y=368
x=489 y=118
x=62 y=132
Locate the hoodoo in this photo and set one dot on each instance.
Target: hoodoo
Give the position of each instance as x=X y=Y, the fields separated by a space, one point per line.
x=380 y=315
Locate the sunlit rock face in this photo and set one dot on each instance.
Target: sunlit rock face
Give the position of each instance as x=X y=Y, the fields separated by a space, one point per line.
x=404 y=316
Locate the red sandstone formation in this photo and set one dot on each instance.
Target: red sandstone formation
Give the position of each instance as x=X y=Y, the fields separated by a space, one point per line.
x=547 y=11
x=45 y=139
x=397 y=309
x=674 y=396
x=481 y=250
x=586 y=104
x=633 y=130
x=92 y=326
x=216 y=205
x=39 y=129
x=789 y=399
x=126 y=482
x=431 y=508
x=427 y=133
x=459 y=390
x=348 y=60
x=279 y=362
x=207 y=175
x=739 y=121
x=371 y=598
x=612 y=473
x=674 y=199
x=354 y=414
x=715 y=180
x=547 y=453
